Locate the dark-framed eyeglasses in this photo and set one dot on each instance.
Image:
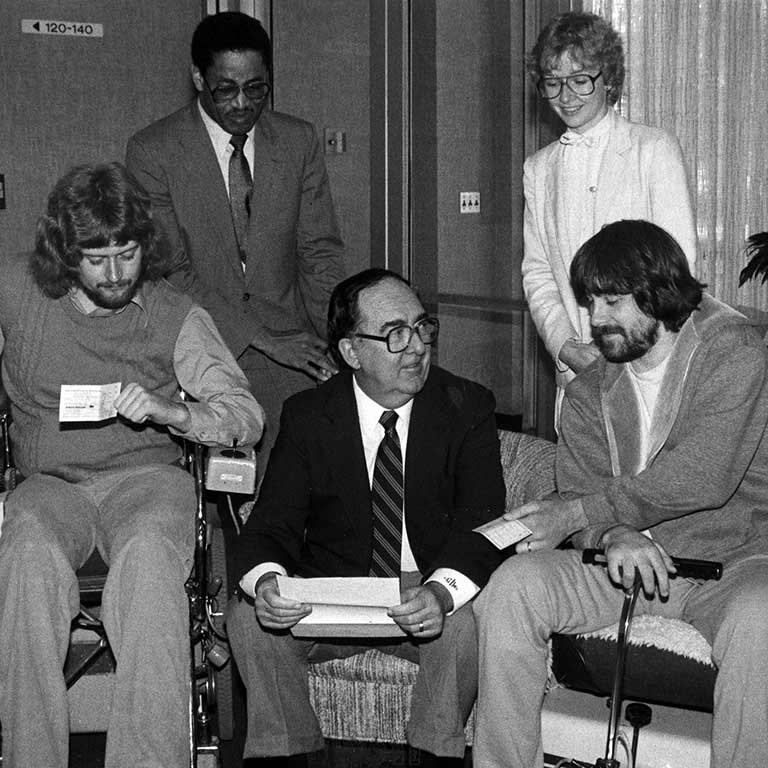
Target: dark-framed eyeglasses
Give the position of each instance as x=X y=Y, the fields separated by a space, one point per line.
x=399 y=338
x=257 y=91
x=581 y=84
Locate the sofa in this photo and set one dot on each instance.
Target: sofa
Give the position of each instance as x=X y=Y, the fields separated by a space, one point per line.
x=366 y=698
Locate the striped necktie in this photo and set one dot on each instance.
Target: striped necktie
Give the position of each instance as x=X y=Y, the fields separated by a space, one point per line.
x=387 y=501
x=240 y=186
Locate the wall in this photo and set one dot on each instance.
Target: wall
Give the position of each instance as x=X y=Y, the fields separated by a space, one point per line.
x=469 y=136
x=321 y=63
x=70 y=99
x=431 y=91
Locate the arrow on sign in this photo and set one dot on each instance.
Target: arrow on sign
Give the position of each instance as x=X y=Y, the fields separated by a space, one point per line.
x=36 y=26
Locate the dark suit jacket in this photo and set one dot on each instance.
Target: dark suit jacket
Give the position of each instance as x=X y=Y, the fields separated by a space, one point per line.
x=294 y=248
x=313 y=514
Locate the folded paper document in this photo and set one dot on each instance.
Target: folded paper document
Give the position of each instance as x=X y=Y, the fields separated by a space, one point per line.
x=344 y=607
x=503 y=533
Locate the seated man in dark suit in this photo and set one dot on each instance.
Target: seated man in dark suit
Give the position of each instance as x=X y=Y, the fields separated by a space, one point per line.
x=322 y=512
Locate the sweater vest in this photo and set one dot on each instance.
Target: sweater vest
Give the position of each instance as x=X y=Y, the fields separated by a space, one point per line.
x=48 y=343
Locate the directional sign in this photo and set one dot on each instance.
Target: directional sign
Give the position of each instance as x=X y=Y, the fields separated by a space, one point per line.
x=73 y=28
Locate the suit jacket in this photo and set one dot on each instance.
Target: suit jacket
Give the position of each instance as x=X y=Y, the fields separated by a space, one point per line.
x=701 y=490
x=293 y=247
x=642 y=177
x=313 y=514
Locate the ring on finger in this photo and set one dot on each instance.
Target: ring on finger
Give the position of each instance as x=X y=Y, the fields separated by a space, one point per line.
x=421 y=626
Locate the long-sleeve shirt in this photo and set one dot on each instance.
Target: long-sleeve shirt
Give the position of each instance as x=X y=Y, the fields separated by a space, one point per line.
x=160 y=340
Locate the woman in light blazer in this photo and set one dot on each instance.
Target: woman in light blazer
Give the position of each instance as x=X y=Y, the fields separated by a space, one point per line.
x=602 y=169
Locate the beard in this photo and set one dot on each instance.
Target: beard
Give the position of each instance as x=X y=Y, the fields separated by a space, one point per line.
x=625 y=345
x=112 y=295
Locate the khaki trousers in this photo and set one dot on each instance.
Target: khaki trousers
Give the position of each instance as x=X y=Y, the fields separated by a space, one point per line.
x=142 y=521
x=281 y=720
x=531 y=596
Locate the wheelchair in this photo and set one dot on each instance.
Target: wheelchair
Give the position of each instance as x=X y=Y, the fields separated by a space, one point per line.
x=613 y=669
x=89 y=660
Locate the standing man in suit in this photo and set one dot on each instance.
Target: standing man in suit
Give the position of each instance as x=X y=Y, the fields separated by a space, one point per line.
x=242 y=198
x=318 y=514
x=602 y=169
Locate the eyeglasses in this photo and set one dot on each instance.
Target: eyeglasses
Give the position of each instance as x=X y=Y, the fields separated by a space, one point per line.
x=400 y=337
x=253 y=91
x=581 y=84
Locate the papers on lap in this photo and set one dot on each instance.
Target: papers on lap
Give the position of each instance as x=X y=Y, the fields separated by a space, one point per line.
x=344 y=607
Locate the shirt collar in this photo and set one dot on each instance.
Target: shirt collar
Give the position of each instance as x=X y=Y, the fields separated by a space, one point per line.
x=219 y=137
x=592 y=136
x=86 y=307
x=369 y=411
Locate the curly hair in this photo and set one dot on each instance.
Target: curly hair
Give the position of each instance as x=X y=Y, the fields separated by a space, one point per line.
x=590 y=40
x=636 y=257
x=93 y=206
x=229 y=31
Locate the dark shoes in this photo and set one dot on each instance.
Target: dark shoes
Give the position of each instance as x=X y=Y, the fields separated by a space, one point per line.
x=428 y=760
x=291 y=761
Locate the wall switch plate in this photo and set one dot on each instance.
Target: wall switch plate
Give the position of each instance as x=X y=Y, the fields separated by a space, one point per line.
x=469 y=202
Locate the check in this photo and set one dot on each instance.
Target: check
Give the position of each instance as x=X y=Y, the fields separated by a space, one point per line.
x=88 y=402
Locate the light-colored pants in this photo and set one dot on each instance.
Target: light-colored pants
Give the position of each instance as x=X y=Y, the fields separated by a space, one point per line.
x=142 y=521
x=281 y=720
x=531 y=596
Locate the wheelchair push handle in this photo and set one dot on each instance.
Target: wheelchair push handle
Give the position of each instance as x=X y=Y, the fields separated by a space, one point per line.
x=687 y=568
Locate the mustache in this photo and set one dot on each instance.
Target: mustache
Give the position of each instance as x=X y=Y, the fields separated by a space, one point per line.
x=598 y=331
x=118 y=284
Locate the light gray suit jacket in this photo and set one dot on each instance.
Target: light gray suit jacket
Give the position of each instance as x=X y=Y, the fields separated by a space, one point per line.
x=294 y=250
x=642 y=177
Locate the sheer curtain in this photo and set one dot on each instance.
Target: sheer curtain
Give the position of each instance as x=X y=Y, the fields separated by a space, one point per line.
x=697 y=68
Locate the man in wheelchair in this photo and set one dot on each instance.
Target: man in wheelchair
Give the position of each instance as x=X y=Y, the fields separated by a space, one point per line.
x=95 y=347
x=662 y=436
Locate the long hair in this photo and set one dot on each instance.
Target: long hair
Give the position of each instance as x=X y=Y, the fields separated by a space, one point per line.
x=92 y=206
x=637 y=257
x=344 y=305
x=590 y=40
x=229 y=31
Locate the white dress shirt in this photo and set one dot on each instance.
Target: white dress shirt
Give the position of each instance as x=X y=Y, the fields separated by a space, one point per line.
x=221 y=146
x=460 y=587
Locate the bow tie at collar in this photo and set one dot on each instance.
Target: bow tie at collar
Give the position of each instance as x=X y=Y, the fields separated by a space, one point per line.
x=572 y=139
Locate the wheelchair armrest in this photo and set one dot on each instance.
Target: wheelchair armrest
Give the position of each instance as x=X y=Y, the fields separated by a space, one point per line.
x=687 y=568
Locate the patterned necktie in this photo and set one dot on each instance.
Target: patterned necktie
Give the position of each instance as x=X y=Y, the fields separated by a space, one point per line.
x=240 y=185
x=387 y=501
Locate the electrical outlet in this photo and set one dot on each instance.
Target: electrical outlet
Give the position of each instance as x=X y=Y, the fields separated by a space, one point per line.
x=335 y=141
x=469 y=202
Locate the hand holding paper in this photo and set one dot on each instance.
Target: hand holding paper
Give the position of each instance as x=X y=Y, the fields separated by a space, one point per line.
x=277 y=611
x=138 y=404
x=503 y=533
x=344 y=607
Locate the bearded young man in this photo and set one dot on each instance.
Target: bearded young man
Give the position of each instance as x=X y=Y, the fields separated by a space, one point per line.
x=661 y=453
x=88 y=308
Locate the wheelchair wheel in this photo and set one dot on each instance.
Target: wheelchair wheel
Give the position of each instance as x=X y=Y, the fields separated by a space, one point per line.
x=223 y=676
